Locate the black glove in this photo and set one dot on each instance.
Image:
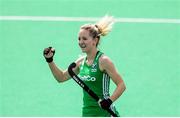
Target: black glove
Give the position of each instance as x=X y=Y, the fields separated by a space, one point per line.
x=105 y=103
x=48 y=54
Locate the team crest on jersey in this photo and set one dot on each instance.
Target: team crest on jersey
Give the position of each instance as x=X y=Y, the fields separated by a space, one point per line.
x=94 y=67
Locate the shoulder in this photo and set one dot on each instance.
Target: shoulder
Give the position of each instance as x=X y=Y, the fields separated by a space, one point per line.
x=78 y=63
x=79 y=60
x=104 y=62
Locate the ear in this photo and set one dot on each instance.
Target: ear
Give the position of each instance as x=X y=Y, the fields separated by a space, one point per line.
x=95 y=41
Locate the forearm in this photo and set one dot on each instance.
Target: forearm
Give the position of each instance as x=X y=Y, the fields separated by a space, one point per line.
x=57 y=73
x=118 y=91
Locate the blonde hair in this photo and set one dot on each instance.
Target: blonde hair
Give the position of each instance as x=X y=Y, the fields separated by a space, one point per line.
x=105 y=25
x=101 y=28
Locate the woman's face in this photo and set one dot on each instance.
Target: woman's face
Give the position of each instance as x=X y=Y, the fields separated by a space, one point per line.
x=86 y=42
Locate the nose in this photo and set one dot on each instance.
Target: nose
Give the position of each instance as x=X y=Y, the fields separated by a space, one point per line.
x=80 y=41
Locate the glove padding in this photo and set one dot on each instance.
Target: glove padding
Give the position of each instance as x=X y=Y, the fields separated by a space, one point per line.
x=48 y=54
x=105 y=103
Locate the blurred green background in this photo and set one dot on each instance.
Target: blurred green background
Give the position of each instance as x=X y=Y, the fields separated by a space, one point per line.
x=145 y=54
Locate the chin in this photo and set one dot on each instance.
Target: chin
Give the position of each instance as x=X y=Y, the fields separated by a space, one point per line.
x=84 y=51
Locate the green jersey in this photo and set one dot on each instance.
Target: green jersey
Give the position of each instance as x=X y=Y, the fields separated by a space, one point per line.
x=98 y=82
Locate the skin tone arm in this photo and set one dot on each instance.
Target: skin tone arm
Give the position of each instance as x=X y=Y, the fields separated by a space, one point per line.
x=58 y=74
x=107 y=66
x=61 y=75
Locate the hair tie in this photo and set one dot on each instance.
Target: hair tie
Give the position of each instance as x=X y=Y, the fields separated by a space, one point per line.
x=99 y=30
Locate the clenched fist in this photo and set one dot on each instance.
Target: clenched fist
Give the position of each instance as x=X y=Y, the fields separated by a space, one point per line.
x=105 y=103
x=48 y=54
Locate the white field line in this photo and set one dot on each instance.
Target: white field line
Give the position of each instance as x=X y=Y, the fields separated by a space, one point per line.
x=87 y=19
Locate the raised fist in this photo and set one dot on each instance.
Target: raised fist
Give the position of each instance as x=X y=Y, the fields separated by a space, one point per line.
x=48 y=54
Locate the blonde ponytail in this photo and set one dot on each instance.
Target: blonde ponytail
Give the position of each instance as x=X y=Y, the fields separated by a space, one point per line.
x=101 y=28
x=105 y=25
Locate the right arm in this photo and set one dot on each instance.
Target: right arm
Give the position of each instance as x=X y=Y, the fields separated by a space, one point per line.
x=61 y=75
x=58 y=74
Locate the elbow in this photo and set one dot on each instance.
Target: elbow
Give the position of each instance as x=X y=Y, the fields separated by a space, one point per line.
x=58 y=79
x=124 y=86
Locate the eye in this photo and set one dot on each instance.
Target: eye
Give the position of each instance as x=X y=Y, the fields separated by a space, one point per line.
x=84 y=38
x=79 y=38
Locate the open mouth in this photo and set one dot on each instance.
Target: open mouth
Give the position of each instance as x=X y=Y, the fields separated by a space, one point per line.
x=82 y=45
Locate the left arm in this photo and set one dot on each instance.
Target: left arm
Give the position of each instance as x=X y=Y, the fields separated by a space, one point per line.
x=107 y=66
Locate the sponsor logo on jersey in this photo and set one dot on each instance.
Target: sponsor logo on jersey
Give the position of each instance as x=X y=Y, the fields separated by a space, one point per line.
x=88 y=78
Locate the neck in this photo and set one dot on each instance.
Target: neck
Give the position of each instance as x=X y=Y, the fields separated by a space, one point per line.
x=91 y=55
